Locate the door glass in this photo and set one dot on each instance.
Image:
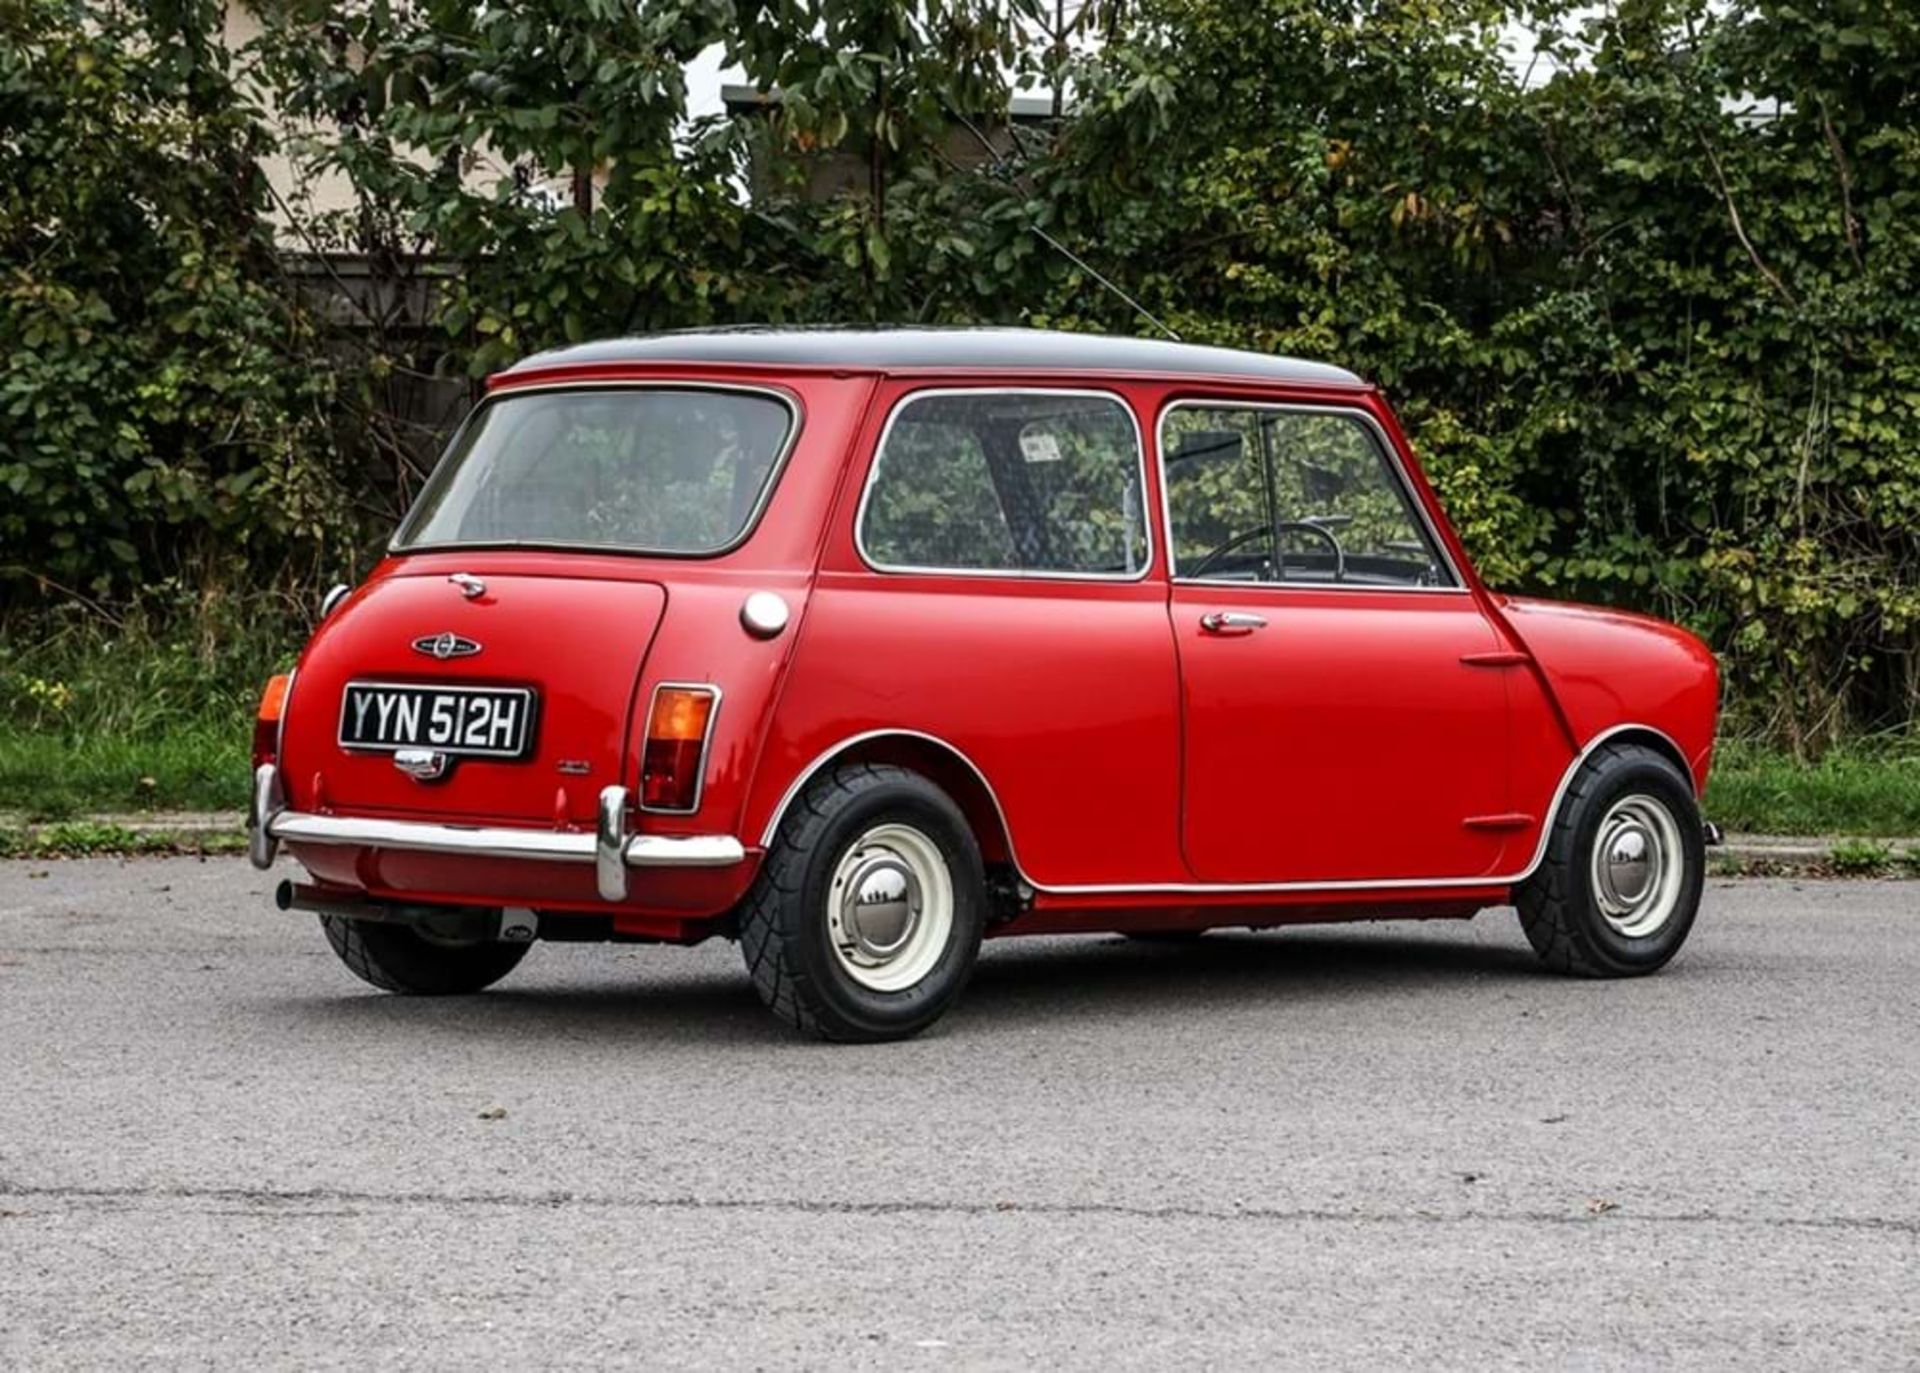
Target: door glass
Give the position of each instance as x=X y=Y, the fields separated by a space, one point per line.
x=1260 y=494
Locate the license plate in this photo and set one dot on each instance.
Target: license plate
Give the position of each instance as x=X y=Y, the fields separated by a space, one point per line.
x=475 y=722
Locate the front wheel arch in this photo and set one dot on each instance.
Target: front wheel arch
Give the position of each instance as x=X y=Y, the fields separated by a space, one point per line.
x=1648 y=737
x=1643 y=735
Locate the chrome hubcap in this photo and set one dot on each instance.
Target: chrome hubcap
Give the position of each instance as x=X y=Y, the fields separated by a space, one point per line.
x=1638 y=866
x=890 y=908
x=880 y=907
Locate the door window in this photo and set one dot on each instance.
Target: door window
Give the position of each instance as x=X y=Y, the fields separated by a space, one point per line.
x=1259 y=493
x=1022 y=482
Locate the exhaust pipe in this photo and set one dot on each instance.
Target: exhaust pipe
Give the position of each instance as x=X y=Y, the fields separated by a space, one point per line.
x=513 y=925
x=303 y=896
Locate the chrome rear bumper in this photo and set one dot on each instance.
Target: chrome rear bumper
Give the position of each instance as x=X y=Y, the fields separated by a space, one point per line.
x=610 y=848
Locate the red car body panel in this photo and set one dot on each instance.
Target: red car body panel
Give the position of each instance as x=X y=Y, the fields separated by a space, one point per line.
x=1374 y=752
x=588 y=687
x=1605 y=666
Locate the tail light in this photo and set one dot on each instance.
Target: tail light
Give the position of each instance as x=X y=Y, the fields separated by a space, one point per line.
x=266 y=724
x=678 y=724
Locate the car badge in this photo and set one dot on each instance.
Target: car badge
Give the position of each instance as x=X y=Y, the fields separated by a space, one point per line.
x=446 y=645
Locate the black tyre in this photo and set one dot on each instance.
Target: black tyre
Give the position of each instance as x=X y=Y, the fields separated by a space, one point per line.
x=397 y=959
x=1619 y=885
x=865 y=920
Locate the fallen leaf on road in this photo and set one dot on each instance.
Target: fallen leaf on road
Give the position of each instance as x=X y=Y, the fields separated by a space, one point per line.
x=494 y=1113
x=1599 y=1206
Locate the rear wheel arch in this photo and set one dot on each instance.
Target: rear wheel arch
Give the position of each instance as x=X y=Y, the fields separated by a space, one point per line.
x=933 y=758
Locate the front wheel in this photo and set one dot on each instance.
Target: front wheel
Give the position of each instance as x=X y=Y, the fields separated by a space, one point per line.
x=866 y=917
x=1618 y=888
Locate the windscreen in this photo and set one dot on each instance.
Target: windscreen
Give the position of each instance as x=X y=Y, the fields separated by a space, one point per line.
x=654 y=470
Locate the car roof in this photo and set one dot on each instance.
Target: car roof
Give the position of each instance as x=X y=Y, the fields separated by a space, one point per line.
x=916 y=349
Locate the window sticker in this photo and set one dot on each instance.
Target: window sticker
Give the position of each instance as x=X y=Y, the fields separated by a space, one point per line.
x=1037 y=445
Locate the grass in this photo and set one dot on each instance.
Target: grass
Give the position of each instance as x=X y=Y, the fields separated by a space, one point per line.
x=152 y=710
x=84 y=838
x=52 y=777
x=1869 y=790
x=149 y=709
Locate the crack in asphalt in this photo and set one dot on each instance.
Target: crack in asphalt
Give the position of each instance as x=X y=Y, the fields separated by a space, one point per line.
x=278 y=1198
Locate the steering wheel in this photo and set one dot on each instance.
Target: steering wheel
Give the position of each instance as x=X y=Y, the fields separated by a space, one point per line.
x=1233 y=541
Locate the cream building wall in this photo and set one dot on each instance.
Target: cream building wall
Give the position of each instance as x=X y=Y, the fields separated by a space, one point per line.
x=309 y=196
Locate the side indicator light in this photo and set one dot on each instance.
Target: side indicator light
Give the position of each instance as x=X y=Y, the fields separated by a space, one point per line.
x=678 y=725
x=266 y=722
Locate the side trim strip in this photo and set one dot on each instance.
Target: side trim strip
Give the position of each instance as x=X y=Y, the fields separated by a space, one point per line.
x=1108 y=889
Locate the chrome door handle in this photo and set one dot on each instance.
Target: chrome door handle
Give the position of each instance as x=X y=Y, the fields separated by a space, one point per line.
x=1231 y=622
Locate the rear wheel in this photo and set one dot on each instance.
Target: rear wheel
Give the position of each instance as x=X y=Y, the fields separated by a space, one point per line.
x=866 y=917
x=1617 y=890
x=395 y=958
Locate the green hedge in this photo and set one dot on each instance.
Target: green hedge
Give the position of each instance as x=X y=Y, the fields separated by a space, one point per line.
x=1648 y=309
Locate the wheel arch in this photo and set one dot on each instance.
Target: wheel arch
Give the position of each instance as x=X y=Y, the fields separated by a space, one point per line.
x=1631 y=733
x=933 y=758
x=1648 y=737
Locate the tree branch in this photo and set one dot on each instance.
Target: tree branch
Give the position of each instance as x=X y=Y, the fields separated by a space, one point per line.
x=1848 y=223
x=1740 y=229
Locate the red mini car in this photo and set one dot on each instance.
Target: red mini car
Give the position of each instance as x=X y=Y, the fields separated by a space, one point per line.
x=860 y=646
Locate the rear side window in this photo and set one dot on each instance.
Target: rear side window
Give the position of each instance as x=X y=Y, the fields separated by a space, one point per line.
x=1020 y=482
x=640 y=469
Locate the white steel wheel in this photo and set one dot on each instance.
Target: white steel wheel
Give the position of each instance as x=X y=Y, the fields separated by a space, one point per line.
x=890 y=908
x=1638 y=866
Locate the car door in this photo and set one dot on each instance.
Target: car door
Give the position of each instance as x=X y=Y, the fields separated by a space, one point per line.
x=1340 y=721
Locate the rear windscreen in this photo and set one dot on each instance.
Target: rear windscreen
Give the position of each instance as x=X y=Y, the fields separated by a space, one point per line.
x=653 y=470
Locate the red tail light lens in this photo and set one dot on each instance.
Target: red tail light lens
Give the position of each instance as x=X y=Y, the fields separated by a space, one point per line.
x=266 y=723
x=677 y=729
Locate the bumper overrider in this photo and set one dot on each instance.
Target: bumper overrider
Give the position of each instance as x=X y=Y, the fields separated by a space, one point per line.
x=609 y=848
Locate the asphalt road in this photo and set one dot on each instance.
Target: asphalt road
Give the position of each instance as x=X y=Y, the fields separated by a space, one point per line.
x=1391 y=1145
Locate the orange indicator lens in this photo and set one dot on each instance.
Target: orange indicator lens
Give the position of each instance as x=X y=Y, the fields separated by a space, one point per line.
x=266 y=724
x=676 y=747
